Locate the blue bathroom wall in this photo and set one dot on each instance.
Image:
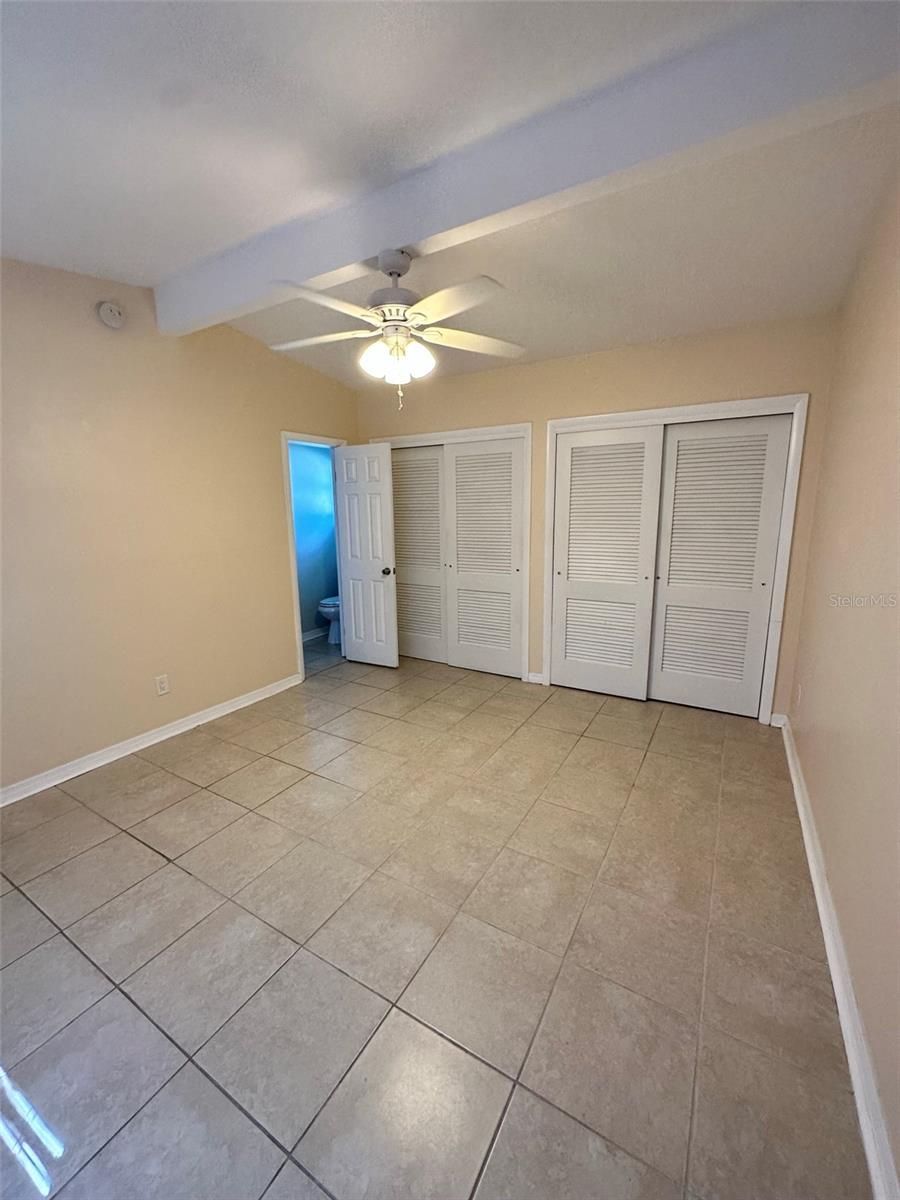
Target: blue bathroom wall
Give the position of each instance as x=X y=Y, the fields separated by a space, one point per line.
x=312 y=499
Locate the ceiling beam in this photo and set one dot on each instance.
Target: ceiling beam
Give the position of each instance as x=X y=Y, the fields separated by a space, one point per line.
x=794 y=58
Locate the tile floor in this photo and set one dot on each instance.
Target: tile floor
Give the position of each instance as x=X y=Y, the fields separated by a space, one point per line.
x=428 y=934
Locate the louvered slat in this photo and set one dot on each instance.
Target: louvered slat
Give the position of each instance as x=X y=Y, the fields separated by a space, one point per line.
x=606 y=492
x=484 y=498
x=419 y=610
x=417 y=512
x=708 y=641
x=599 y=631
x=716 y=508
x=484 y=618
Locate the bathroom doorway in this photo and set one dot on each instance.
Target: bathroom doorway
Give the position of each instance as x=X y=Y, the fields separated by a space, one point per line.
x=308 y=464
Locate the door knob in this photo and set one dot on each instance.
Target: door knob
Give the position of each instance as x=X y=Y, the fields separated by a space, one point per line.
x=385 y=570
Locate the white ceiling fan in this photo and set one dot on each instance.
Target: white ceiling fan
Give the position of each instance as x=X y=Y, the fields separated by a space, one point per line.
x=401 y=322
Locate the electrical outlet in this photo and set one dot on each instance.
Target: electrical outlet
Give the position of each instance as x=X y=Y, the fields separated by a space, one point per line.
x=162 y=685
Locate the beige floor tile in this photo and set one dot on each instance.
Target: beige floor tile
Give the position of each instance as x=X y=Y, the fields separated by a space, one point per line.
x=655 y=951
x=258 y=782
x=406 y=740
x=43 y=991
x=460 y=755
x=310 y=711
x=351 y=695
x=764 y=1128
x=607 y=759
x=636 y=734
x=313 y=750
x=284 y=1052
x=128 y=930
x=291 y=1184
x=432 y=714
x=309 y=805
x=509 y=769
x=141 y=799
x=749 y=729
x=488 y=812
x=682 y=743
x=536 y=741
x=234 y=723
x=557 y=714
x=113 y=777
x=485 y=989
x=316 y=687
x=381 y=677
x=395 y=703
x=416 y=789
x=5 y=886
x=270 y=735
x=589 y=702
x=596 y=793
x=644 y=711
x=663 y=850
x=205 y=767
x=367 y=831
x=22 y=927
x=193 y=987
x=27 y=814
x=421 y=688
x=635 y=1087
x=747 y=759
x=46 y=846
x=301 y=891
x=528 y=691
x=697 y=721
x=458 y=695
x=485 y=681
x=190 y=1140
x=166 y=753
x=541 y=1154
x=511 y=708
x=443 y=862
x=356 y=725
x=562 y=836
x=347 y=672
x=773 y=796
x=780 y=1002
x=382 y=933
x=444 y=673
x=690 y=780
x=232 y=857
x=178 y=829
x=487 y=728
x=78 y=886
x=361 y=767
x=431 y=1146
x=530 y=898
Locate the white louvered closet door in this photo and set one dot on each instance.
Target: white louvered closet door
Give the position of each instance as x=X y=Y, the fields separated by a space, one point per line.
x=485 y=488
x=723 y=484
x=418 y=540
x=607 y=504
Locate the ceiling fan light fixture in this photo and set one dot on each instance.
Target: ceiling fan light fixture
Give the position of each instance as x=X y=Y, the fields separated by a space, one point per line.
x=420 y=360
x=397 y=360
x=375 y=358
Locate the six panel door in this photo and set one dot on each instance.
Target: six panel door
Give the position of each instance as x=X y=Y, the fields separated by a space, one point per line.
x=365 y=529
x=418 y=541
x=723 y=485
x=607 y=503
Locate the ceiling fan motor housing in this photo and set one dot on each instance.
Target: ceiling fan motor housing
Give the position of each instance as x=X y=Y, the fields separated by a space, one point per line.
x=393 y=302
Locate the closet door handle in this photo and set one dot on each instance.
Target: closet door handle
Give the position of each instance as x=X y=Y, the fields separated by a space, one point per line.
x=385 y=570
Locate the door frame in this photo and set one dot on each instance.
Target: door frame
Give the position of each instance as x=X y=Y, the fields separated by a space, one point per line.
x=490 y=433
x=794 y=406
x=314 y=439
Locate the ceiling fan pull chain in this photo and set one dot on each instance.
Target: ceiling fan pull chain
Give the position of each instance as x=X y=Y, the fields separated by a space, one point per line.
x=399 y=398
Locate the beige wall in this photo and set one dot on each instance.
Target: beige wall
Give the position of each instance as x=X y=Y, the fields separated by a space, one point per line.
x=144 y=516
x=763 y=360
x=845 y=719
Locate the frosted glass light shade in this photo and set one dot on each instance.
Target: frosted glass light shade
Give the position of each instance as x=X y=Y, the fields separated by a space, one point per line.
x=375 y=358
x=397 y=363
x=419 y=359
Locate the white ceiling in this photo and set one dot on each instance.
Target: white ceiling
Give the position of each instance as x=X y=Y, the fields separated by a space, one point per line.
x=141 y=137
x=772 y=232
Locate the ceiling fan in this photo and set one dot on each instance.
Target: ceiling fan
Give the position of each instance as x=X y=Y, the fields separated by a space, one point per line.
x=402 y=322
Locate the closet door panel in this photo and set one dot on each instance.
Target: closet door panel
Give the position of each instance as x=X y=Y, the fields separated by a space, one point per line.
x=485 y=488
x=723 y=484
x=418 y=538
x=607 y=502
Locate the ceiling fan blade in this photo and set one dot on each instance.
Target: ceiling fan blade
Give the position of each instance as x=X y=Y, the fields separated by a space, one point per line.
x=449 y=301
x=458 y=339
x=343 y=336
x=325 y=301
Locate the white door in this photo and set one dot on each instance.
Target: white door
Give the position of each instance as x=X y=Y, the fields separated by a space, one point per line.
x=723 y=483
x=421 y=583
x=365 y=526
x=607 y=506
x=485 y=531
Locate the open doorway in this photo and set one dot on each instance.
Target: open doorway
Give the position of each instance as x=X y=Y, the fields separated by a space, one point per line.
x=309 y=487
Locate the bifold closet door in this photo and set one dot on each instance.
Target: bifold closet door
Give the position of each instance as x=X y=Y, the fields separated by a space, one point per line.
x=723 y=484
x=484 y=524
x=418 y=542
x=607 y=505
x=365 y=528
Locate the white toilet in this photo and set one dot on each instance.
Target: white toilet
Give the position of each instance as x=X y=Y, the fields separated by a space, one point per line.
x=330 y=608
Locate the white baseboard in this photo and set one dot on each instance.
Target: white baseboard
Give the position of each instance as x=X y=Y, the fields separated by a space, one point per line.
x=537 y=677
x=312 y=634
x=78 y=766
x=868 y=1103
x=779 y=720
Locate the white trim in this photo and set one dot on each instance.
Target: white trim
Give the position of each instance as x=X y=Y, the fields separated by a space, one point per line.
x=99 y=758
x=318 y=632
x=487 y=434
x=872 y=1122
x=537 y=677
x=286 y=439
x=779 y=720
x=794 y=405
